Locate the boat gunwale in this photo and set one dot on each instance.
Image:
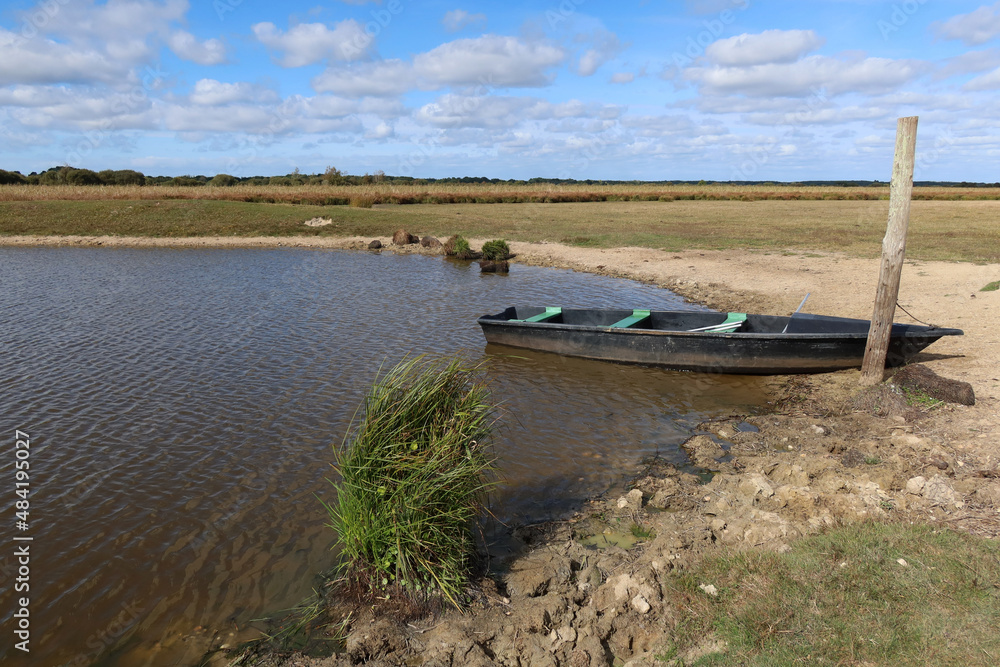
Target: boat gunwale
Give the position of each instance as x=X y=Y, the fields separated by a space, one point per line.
x=917 y=331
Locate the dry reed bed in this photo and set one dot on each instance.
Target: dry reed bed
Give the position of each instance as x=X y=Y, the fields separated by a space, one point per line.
x=454 y=193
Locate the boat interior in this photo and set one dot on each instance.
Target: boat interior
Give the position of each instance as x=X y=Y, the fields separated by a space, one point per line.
x=692 y=321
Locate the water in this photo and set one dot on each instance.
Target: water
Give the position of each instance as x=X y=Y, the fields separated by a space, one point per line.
x=182 y=405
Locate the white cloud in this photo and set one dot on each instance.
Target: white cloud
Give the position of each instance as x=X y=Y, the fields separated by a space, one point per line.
x=490 y=60
x=187 y=47
x=606 y=46
x=974 y=28
x=770 y=46
x=44 y=61
x=969 y=62
x=802 y=78
x=209 y=92
x=622 y=77
x=385 y=78
x=990 y=81
x=495 y=111
x=310 y=43
x=457 y=19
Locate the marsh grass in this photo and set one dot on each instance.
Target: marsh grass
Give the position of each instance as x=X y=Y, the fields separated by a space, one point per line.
x=415 y=472
x=844 y=597
x=938 y=230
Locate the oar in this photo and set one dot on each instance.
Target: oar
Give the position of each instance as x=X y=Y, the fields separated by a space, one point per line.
x=793 y=314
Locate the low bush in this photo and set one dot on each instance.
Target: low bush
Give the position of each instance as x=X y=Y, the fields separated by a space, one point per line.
x=496 y=250
x=415 y=473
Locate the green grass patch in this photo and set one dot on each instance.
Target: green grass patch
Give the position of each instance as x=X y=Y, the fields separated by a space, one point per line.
x=991 y=287
x=844 y=598
x=496 y=250
x=415 y=472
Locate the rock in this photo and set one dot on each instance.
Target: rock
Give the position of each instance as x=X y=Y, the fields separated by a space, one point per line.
x=631 y=500
x=752 y=486
x=816 y=429
x=314 y=222
x=709 y=589
x=918 y=377
x=939 y=491
x=490 y=266
x=915 y=485
x=403 y=237
x=640 y=604
x=430 y=242
x=375 y=245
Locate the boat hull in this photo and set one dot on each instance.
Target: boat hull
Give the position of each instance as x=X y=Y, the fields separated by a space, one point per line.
x=826 y=344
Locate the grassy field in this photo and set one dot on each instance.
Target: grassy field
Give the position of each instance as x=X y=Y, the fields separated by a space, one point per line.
x=483 y=193
x=868 y=594
x=778 y=218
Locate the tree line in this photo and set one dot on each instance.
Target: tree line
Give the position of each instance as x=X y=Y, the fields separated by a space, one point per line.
x=64 y=175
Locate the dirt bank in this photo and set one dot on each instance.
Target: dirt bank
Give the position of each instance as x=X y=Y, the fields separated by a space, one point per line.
x=585 y=594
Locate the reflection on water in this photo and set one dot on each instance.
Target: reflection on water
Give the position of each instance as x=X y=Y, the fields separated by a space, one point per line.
x=182 y=406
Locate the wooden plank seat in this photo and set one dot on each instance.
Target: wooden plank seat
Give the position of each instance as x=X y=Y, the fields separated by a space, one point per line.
x=633 y=319
x=549 y=313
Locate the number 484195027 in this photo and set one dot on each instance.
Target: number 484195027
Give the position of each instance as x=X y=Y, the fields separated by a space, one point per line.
x=22 y=482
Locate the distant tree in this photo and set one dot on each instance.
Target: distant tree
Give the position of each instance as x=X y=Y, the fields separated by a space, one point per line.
x=185 y=181
x=332 y=176
x=122 y=177
x=223 y=181
x=83 y=177
x=279 y=180
x=54 y=176
x=11 y=178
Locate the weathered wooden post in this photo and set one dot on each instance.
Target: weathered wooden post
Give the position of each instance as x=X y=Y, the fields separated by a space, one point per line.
x=893 y=252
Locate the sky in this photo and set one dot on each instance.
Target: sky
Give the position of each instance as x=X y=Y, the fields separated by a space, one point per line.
x=684 y=89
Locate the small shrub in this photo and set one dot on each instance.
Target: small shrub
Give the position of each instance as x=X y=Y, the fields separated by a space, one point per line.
x=415 y=472
x=496 y=250
x=462 y=249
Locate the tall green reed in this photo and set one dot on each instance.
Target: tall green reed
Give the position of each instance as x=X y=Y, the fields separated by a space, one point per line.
x=415 y=472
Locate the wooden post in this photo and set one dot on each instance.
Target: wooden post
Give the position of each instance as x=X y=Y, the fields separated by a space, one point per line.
x=893 y=252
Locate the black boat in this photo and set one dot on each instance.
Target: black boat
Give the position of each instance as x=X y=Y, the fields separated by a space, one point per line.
x=704 y=341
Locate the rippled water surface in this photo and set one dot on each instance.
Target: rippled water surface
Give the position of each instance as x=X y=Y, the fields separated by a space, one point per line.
x=182 y=405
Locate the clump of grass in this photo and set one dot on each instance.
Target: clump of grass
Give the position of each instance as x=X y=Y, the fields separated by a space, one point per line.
x=871 y=593
x=496 y=250
x=991 y=287
x=461 y=248
x=415 y=473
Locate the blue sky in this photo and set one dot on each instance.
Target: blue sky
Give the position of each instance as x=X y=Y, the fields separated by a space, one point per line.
x=687 y=89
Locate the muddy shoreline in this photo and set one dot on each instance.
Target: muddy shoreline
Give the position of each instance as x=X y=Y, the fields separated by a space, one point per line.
x=824 y=456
